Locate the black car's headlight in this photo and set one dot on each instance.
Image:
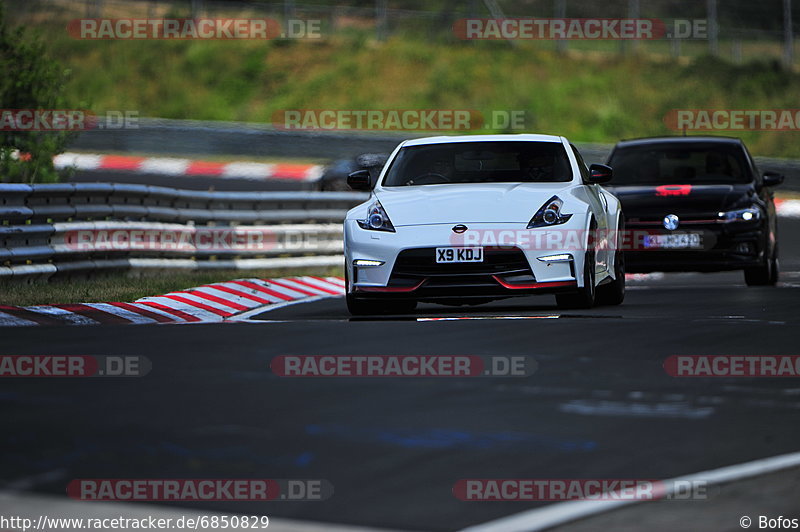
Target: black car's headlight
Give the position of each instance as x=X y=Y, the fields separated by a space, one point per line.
x=750 y=214
x=549 y=214
x=377 y=219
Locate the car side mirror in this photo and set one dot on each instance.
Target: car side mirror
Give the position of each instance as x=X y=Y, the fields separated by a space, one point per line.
x=600 y=173
x=772 y=179
x=359 y=180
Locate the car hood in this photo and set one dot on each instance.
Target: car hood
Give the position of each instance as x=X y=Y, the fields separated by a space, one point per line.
x=466 y=203
x=682 y=199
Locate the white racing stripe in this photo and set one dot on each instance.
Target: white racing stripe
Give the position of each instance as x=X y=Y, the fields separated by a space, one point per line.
x=9 y=320
x=164 y=165
x=121 y=312
x=66 y=315
x=251 y=291
x=336 y=280
x=315 y=289
x=77 y=160
x=183 y=307
x=148 y=308
x=240 y=300
x=788 y=208
x=327 y=285
x=247 y=170
x=203 y=301
x=294 y=294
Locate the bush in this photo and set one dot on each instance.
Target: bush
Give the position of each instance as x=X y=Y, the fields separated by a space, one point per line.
x=31 y=80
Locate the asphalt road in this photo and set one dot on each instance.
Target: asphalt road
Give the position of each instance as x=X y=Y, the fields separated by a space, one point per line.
x=599 y=406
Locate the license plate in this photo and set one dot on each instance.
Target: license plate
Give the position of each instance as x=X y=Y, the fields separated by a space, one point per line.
x=449 y=255
x=675 y=241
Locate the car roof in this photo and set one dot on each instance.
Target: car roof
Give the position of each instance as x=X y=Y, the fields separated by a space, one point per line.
x=444 y=139
x=677 y=140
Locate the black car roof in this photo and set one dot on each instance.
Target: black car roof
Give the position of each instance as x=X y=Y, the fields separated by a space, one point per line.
x=677 y=140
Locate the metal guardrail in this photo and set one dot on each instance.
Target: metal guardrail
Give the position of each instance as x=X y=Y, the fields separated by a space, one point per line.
x=80 y=228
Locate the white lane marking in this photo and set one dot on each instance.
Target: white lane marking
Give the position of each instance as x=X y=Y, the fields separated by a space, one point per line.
x=121 y=312
x=164 y=165
x=566 y=512
x=66 y=315
x=13 y=321
x=619 y=408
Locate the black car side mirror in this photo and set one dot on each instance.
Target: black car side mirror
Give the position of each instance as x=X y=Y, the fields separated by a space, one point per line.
x=600 y=173
x=359 y=180
x=772 y=179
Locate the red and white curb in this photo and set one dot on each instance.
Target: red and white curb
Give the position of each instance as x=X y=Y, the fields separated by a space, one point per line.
x=188 y=167
x=787 y=208
x=205 y=304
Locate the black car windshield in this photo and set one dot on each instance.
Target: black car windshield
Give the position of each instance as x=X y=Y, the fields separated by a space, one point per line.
x=480 y=162
x=679 y=163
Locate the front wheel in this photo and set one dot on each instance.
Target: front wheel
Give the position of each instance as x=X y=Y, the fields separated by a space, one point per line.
x=765 y=274
x=613 y=293
x=585 y=297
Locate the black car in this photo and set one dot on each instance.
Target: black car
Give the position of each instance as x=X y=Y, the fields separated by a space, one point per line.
x=334 y=177
x=696 y=204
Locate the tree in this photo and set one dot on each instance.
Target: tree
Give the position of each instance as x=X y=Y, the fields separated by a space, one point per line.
x=31 y=80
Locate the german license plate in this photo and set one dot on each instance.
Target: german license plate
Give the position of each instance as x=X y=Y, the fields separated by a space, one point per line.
x=674 y=241
x=450 y=255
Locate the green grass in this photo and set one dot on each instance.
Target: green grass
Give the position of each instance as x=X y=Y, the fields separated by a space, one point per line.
x=587 y=95
x=120 y=287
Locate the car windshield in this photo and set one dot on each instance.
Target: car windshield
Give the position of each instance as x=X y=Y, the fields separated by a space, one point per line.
x=479 y=162
x=673 y=164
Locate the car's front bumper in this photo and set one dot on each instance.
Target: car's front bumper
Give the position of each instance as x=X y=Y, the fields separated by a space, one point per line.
x=511 y=265
x=731 y=246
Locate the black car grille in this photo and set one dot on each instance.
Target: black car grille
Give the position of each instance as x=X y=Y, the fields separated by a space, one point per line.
x=416 y=264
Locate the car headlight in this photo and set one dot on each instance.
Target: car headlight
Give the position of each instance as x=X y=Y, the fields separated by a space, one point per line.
x=549 y=214
x=377 y=219
x=751 y=214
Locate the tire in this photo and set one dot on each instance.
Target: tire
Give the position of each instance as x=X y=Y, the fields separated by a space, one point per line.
x=585 y=297
x=765 y=275
x=613 y=293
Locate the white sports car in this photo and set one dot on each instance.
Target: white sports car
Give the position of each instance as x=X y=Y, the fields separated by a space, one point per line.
x=463 y=220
